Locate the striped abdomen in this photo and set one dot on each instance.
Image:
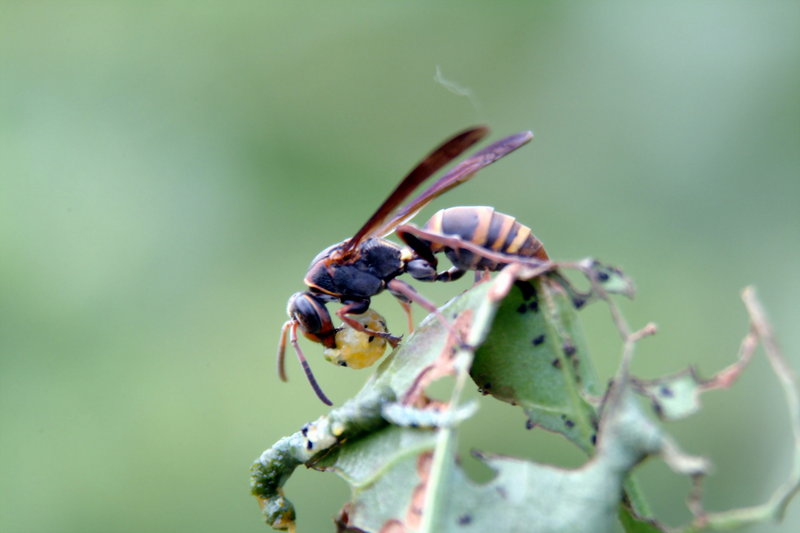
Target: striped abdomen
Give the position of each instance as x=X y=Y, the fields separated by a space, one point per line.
x=484 y=226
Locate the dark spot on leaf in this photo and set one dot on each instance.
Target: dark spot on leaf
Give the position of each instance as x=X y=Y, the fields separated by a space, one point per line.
x=569 y=350
x=529 y=424
x=477 y=454
x=538 y=340
x=665 y=391
x=342 y=363
x=602 y=277
x=383 y=324
x=526 y=289
x=593 y=438
x=465 y=519
x=371 y=338
x=522 y=308
x=304 y=430
x=658 y=409
x=569 y=423
x=534 y=306
x=556 y=363
x=578 y=302
x=309 y=445
x=487 y=385
x=413 y=425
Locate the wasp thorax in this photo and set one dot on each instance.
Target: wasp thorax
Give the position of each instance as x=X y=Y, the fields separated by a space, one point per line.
x=357 y=349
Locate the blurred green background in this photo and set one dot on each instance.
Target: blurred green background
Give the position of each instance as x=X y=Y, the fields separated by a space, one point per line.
x=167 y=170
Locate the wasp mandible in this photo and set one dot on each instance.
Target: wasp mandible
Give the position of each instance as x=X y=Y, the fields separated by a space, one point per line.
x=353 y=271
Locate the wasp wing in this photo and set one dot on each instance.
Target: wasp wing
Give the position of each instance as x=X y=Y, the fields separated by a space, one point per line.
x=456 y=176
x=434 y=161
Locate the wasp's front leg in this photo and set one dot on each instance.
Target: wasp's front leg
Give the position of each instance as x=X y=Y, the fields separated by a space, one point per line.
x=360 y=307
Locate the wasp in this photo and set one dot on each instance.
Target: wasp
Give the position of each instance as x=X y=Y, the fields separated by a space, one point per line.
x=353 y=271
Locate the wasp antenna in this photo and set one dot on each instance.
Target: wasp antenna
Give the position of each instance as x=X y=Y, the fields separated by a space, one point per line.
x=304 y=363
x=314 y=385
x=282 y=351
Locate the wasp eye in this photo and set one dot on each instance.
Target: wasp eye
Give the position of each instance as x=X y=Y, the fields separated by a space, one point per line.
x=310 y=313
x=290 y=304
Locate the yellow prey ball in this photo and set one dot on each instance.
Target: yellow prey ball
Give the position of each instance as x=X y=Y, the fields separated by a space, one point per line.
x=356 y=349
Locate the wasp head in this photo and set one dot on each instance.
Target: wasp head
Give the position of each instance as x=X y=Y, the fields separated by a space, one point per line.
x=311 y=315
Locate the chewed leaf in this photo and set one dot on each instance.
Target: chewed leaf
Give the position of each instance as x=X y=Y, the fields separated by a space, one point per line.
x=636 y=524
x=536 y=357
x=520 y=339
x=612 y=279
x=268 y=474
x=602 y=280
x=678 y=396
x=392 y=492
x=673 y=397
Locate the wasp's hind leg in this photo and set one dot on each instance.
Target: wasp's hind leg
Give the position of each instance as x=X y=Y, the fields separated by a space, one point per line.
x=410 y=233
x=482 y=275
x=451 y=274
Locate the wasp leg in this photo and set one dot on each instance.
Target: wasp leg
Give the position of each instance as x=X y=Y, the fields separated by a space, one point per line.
x=405 y=303
x=292 y=327
x=421 y=248
x=455 y=242
x=421 y=270
x=451 y=274
x=408 y=292
x=424 y=267
x=482 y=275
x=282 y=350
x=407 y=309
x=353 y=307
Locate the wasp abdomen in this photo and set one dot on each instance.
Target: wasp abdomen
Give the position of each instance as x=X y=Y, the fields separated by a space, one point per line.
x=484 y=226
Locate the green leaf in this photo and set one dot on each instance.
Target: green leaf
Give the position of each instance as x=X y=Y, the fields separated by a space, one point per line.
x=674 y=397
x=536 y=357
x=635 y=524
x=359 y=416
x=523 y=496
x=522 y=343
